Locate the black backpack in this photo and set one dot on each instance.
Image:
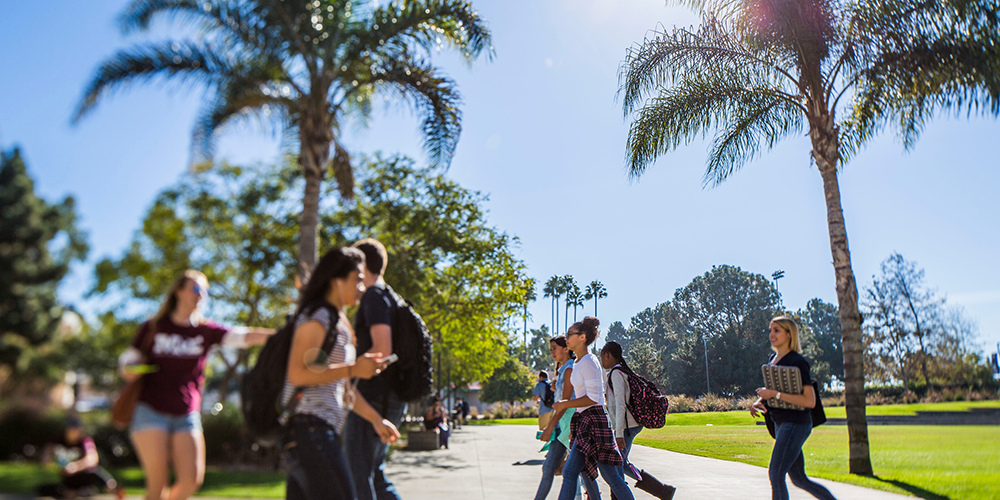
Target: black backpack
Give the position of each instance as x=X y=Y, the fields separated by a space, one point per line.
x=550 y=396
x=648 y=407
x=411 y=377
x=262 y=385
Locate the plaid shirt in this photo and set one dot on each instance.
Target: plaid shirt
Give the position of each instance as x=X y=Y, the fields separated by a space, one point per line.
x=593 y=436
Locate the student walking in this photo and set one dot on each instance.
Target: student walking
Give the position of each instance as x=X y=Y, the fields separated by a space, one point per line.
x=593 y=447
x=170 y=351
x=538 y=395
x=79 y=465
x=318 y=395
x=623 y=423
x=791 y=427
x=373 y=327
x=564 y=358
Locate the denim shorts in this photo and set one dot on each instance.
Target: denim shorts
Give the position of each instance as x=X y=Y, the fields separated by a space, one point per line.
x=145 y=418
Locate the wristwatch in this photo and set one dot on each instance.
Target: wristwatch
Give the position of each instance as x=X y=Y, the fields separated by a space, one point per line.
x=778 y=397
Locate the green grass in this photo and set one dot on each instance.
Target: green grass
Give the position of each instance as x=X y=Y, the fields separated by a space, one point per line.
x=933 y=462
x=25 y=478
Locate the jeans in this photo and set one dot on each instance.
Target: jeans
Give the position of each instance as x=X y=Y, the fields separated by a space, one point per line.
x=145 y=417
x=574 y=465
x=786 y=458
x=316 y=464
x=367 y=451
x=552 y=460
x=625 y=470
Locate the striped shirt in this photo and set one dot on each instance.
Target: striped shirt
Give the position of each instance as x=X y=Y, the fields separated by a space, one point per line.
x=325 y=401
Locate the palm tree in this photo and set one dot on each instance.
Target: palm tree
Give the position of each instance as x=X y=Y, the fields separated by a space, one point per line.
x=569 y=287
x=305 y=68
x=576 y=299
x=757 y=71
x=595 y=290
x=550 y=290
x=529 y=297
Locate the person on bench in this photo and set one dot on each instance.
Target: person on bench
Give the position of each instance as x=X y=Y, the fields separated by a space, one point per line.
x=436 y=417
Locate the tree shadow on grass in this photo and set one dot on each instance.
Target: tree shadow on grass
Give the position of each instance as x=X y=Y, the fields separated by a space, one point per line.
x=914 y=490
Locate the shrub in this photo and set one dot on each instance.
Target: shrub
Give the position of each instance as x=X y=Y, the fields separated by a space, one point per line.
x=746 y=402
x=679 y=403
x=713 y=402
x=24 y=431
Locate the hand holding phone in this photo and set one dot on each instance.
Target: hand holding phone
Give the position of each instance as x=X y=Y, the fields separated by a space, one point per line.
x=390 y=359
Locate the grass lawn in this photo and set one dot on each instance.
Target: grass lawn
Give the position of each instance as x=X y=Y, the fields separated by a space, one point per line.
x=933 y=462
x=25 y=477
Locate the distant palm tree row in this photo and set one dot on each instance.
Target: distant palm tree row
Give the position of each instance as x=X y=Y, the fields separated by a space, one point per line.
x=558 y=286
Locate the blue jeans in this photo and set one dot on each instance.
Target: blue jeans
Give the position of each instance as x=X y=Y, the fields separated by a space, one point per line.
x=367 y=451
x=552 y=460
x=625 y=470
x=571 y=472
x=317 y=467
x=786 y=458
x=145 y=417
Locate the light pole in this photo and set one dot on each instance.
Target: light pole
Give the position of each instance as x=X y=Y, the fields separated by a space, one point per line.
x=708 y=385
x=777 y=275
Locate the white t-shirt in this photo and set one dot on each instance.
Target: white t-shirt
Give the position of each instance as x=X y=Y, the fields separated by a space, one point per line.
x=588 y=380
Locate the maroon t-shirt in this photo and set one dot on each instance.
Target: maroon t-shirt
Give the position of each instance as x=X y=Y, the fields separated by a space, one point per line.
x=179 y=352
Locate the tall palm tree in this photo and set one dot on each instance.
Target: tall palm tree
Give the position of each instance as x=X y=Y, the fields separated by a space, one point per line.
x=550 y=290
x=529 y=297
x=305 y=68
x=575 y=298
x=757 y=71
x=595 y=290
x=569 y=287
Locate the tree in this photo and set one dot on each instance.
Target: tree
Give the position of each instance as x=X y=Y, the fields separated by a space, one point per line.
x=444 y=256
x=575 y=299
x=568 y=286
x=595 y=290
x=305 y=68
x=529 y=297
x=758 y=71
x=823 y=323
x=537 y=356
x=549 y=290
x=645 y=359
x=509 y=383
x=38 y=242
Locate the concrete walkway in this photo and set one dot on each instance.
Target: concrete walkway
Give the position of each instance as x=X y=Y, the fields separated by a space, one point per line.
x=502 y=462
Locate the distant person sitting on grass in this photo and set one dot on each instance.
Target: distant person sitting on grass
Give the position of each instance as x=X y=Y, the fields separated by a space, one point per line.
x=538 y=395
x=81 y=474
x=437 y=418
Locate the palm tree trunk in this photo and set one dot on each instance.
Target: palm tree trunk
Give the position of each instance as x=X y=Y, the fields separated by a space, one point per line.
x=314 y=154
x=826 y=152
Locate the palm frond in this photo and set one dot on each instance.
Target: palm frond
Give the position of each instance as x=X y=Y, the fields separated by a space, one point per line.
x=237 y=19
x=181 y=62
x=739 y=104
x=663 y=57
x=343 y=172
x=240 y=99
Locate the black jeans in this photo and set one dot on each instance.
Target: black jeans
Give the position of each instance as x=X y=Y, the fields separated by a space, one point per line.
x=96 y=478
x=316 y=464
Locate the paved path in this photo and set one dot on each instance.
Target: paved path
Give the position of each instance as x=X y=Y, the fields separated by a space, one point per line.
x=502 y=462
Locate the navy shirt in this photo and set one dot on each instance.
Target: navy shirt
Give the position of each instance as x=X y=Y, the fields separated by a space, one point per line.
x=793 y=416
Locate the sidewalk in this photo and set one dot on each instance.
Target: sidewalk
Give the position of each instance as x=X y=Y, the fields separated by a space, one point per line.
x=502 y=462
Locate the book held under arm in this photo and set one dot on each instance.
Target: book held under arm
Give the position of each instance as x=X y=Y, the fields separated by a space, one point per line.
x=784 y=379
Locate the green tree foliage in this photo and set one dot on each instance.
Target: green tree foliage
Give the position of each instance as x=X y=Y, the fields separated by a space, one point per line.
x=509 y=383
x=819 y=331
x=538 y=356
x=758 y=71
x=912 y=336
x=305 y=68
x=444 y=256
x=38 y=242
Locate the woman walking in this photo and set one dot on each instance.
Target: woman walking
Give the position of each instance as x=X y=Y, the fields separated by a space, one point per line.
x=593 y=446
x=170 y=352
x=317 y=393
x=564 y=358
x=791 y=427
x=623 y=423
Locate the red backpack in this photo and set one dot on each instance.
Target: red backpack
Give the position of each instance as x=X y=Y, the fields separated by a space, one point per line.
x=645 y=403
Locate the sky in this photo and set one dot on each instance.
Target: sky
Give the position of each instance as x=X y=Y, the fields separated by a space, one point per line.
x=544 y=137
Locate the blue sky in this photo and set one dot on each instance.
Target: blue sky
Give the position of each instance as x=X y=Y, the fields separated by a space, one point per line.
x=545 y=138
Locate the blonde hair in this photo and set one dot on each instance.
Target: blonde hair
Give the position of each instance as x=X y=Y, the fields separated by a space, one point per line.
x=788 y=324
x=170 y=302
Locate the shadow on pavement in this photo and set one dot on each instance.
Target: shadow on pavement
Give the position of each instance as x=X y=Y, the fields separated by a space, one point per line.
x=914 y=490
x=530 y=462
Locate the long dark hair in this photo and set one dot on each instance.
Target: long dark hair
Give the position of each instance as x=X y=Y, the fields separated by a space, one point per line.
x=560 y=340
x=615 y=350
x=336 y=263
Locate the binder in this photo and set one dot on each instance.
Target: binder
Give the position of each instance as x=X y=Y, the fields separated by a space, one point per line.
x=786 y=379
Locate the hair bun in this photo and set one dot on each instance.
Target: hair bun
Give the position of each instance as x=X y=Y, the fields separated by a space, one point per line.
x=591 y=322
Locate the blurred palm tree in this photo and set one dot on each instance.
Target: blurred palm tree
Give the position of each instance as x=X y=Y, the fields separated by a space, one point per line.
x=304 y=68
x=576 y=299
x=757 y=71
x=595 y=290
x=568 y=286
x=551 y=290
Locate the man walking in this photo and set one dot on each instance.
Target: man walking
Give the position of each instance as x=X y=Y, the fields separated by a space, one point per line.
x=538 y=394
x=373 y=329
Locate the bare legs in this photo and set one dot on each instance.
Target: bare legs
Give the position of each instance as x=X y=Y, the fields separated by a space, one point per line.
x=157 y=449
